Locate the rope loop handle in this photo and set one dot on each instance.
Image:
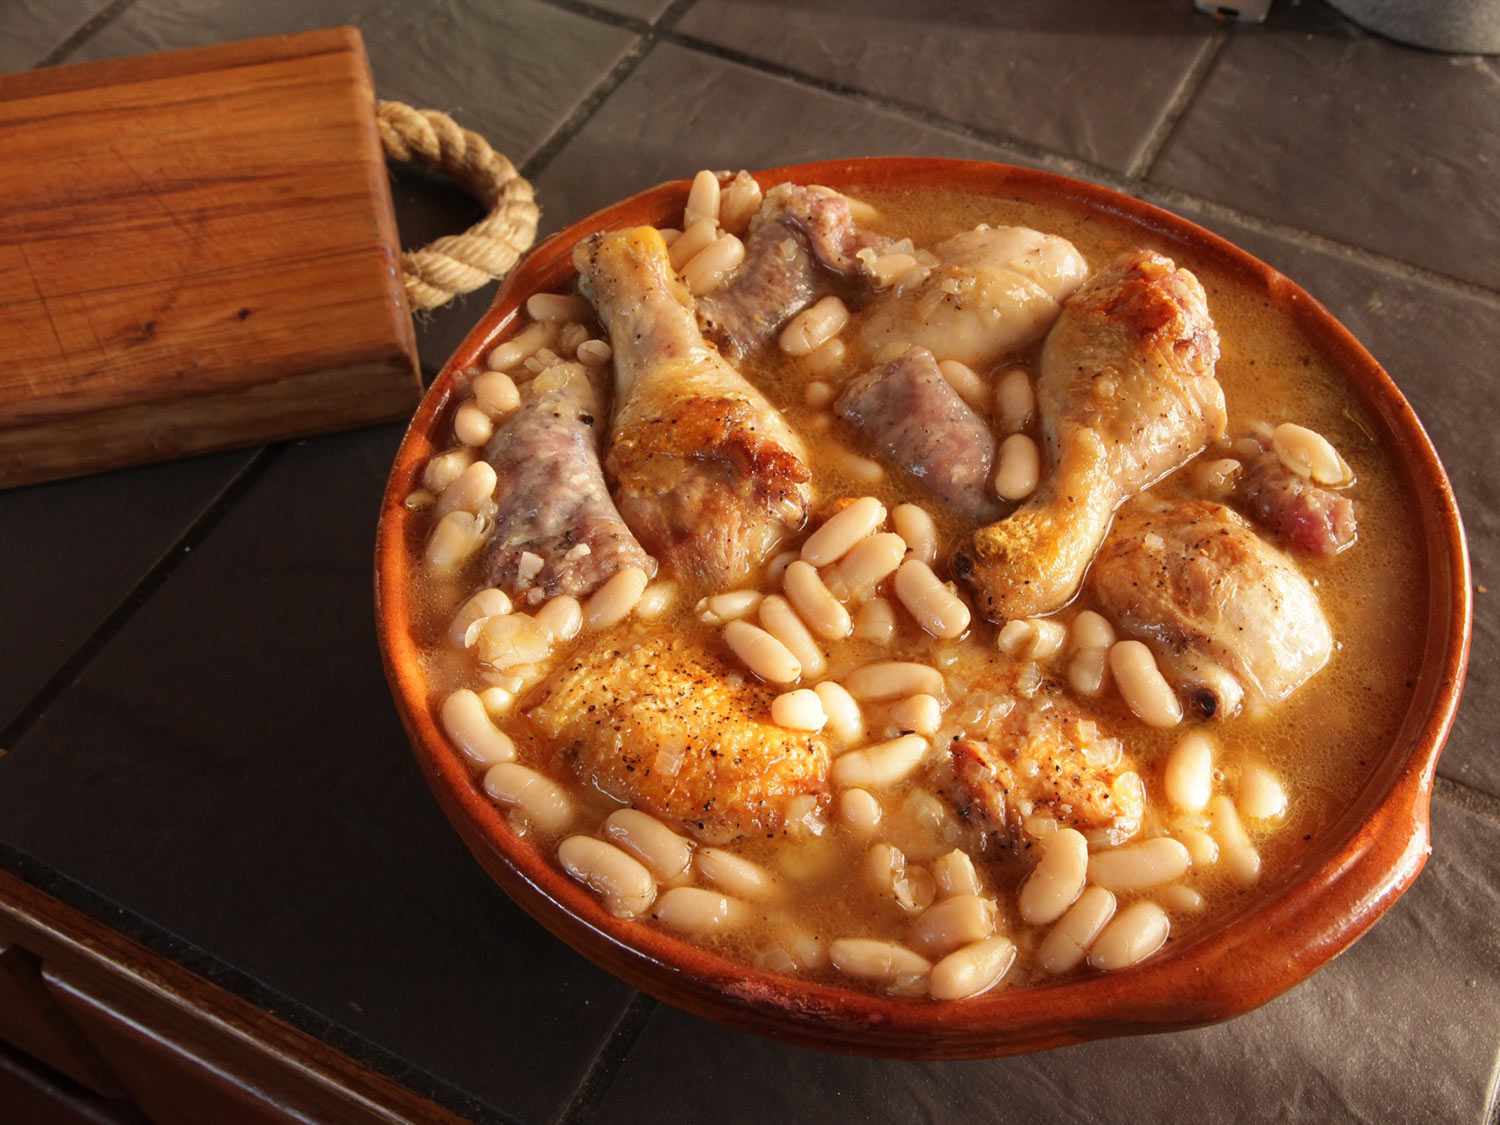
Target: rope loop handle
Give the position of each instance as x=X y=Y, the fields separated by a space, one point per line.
x=461 y=263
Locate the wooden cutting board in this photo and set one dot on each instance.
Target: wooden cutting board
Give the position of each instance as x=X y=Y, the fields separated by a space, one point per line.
x=197 y=251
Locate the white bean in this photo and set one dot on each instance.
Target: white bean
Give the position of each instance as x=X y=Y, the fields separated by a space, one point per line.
x=699 y=912
x=937 y=609
x=1075 y=931
x=799 y=710
x=445 y=468
x=524 y=343
x=497 y=701
x=973 y=970
x=1235 y=848
x=738 y=202
x=827 y=359
x=737 y=875
x=779 y=619
x=1309 y=454
x=594 y=353
x=1018 y=468
x=1087 y=671
x=1134 y=934
x=1183 y=900
x=1260 y=792
x=729 y=606
x=968 y=384
x=1141 y=683
x=842 y=530
x=656 y=599
x=1032 y=638
x=959 y=920
x=1189 y=777
x=455 y=539
x=817 y=607
x=711 y=265
x=546 y=804
x=814 y=326
x=1014 y=636
x=919 y=714
x=859 y=469
x=471 y=491
x=1057 y=880
x=669 y=235
x=776 y=568
x=490 y=602
x=818 y=393
x=559 y=307
x=505 y=642
x=466 y=721
x=562 y=618
x=918 y=529
x=623 y=882
x=667 y=854
x=1091 y=630
x=496 y=394
x=845 y=720
x=611 y=603
x=880 y=765
x=868 y=564
x=868 y=959
x=1202 y=848
x=703 y=200
x=893 y=679
x=1015 y=401
x=875 y=621
x=696 y=238
x=762 y=653
x=955 y=874
x=1138 y=866
x=860 y=811
x=471 y=425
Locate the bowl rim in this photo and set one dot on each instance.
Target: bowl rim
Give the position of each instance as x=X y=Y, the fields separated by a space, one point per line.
x=1274 y=941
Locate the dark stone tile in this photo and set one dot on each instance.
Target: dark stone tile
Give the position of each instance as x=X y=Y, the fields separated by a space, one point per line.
x=1401 y=1028
x=648 y=10
x=231 y=768
x=1312 y=123
x=1090 y=79
x=74 y=549
x=29 y=29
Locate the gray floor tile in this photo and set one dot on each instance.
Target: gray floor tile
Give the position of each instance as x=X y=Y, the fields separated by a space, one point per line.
x=1090 y=79
x=29 y=29
x=1401 y=1028
x=1312 y=123
x=648 y=10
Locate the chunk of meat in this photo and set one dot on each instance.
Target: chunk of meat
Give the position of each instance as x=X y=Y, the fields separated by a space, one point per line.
x=676 y=730
x=995 y=290
x=1230 y=617
x=551 y=499
x=801 y=240
x=1304 y=515
x=1126 y=395
x=707 y=473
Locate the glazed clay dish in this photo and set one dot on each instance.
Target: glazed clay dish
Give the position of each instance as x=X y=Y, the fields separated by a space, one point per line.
x=925 y=608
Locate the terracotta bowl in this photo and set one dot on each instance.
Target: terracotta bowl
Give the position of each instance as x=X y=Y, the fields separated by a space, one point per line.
x=1364 y=862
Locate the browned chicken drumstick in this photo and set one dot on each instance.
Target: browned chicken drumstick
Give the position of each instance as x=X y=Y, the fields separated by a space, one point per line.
x=707 y=472
x=1126 y=394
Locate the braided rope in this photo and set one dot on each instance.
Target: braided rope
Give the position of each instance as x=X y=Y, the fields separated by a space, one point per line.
x=460 y=263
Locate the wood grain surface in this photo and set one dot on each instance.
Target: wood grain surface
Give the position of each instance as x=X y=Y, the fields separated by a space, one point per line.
x=197 y=251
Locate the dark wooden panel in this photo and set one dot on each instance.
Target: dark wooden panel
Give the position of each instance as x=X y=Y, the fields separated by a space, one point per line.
x=31 y=1021
x=33 y=1095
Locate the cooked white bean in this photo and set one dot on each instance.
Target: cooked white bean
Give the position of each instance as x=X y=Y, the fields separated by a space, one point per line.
x=703 y=199
x=936 y=608
x=799 y=710
x=667 y=854
x=1015 y=401
x=696 y=238
x=959 y=920
x=894 y=679
x=968 y=383
x=669 y=235
x=1014 y=636
x=490 y=602
x=729 y=606
x=1090 y=630
x=955 y=874
x=880 y=765
x=911 y=887
x=918 y=529
x=737 y=875
x=594 y=353
x=1189 y=777
x=466 y=721
x=842 y=530
x=1075 y=931
x=861 y=212
x=1057 y=880
x=845 y=720
x=571 y=338
x=776 y=568
x=814 y=326
x=1309 y=454
x=818 y=393
x=498 y=702
x=471 y=491
x=860 y=811
x=1260 y=792
x=700 y=912
x=711 y=265
x=495 y=393
x=1018 y=468
x=827 y=359
x=738 y=202
x=562 y=618
x=1202 y=848
x=1235 y=848
x=868 y=959
x=1138 y=866
x=611 y=603
x=445 y=468
x=1217 y=478
x=559 y=307
x=875 y=621
x=762 y=653
x=546 y=804
x=418 y=500
x=868 y=564
x=859 y=469
x=627 y=888
x=973 y=970
x=471 y=425
x=524 y=343
x=1141 y=683
x=1134 y=934
x=1184 y=900
x=920 y=714
x=817 y=607
x=1044 y=639
x=457 y=536
x=513 y=639
x=656 y=599
x=1087 y=671
x=779 y=619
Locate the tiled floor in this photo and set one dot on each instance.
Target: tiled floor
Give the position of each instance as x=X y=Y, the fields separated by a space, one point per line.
x=184 y=798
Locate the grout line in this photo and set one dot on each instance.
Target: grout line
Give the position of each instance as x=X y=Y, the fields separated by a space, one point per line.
x=602 y=15
x=1192 y=81
x=583 y=1108
x=1476 y=801
x=149 y=583
x=84 y=32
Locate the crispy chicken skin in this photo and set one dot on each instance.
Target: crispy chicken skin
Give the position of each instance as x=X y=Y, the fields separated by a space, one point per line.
x=680 y=732
x=551 y=499
x=1229 y=615
x=1126 y=394
x=707 y=473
